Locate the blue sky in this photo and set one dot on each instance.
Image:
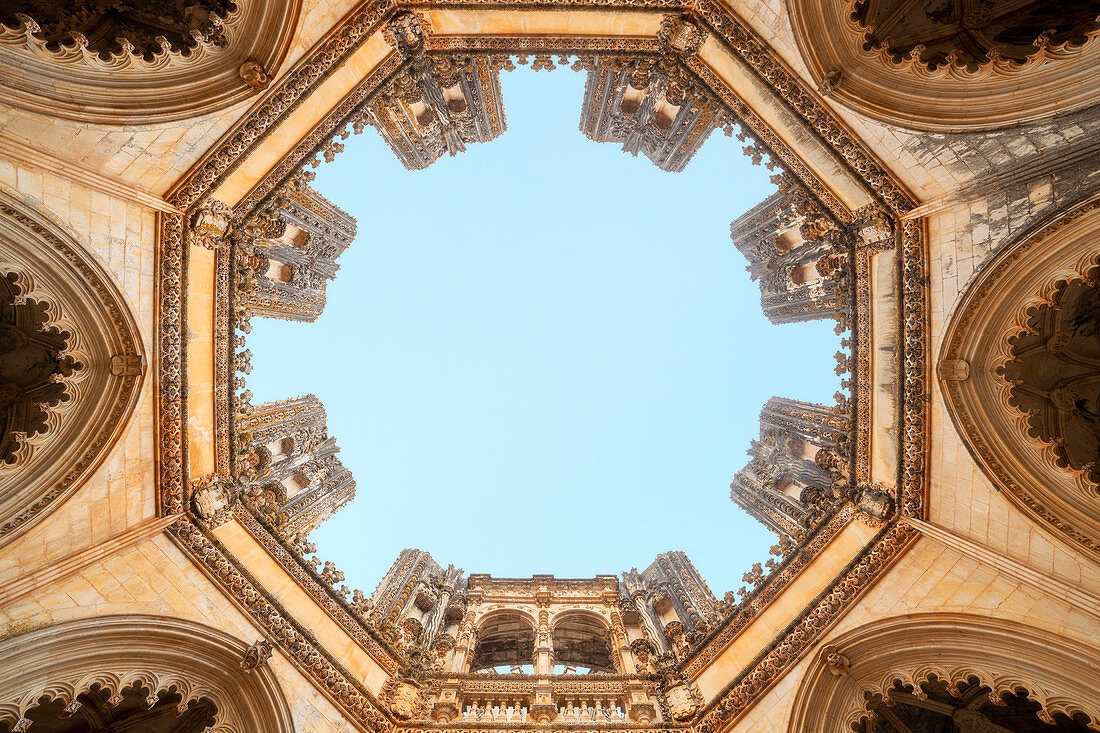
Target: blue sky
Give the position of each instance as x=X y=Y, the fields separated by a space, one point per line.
x=543 y=355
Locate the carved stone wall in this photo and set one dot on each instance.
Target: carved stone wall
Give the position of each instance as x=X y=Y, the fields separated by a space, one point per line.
x=798 y=256
x=287 y=466
x=287 y=253
x=800 y=467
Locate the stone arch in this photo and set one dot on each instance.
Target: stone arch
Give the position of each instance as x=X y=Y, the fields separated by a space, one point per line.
x=215 y=53
x=582 y=638
x=159 y=654
x=47 y=266
x=1060 y=674
x=504 y=636
x=983 y=379
x=863 y=66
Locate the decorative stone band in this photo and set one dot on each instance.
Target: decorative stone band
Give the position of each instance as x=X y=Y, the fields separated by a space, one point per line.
x=736 y=37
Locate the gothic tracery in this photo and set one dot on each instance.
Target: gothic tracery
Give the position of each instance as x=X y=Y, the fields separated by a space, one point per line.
x=32 y=367
x=1055 y=373
x=111 y=27
x=971 y=34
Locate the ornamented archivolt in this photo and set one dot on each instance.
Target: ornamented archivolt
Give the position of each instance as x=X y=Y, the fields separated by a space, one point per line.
x=110 y=29
x=118 y=673
x=106 y=708
x=134 y=62
x=964 y=707
x=1018 y=372
x=71 y=365
x=1026 y=60
x=1055 y=374
x=948 y=672
x=973 y=34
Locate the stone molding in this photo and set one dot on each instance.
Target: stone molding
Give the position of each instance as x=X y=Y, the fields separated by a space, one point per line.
x=1023 y=273
x=85 y=302
x=160 y=653
x=71 y=82
x=1003 y=655
x=1054 y=80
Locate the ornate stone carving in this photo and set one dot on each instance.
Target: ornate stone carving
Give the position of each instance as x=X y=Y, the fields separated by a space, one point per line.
x=127 y=365
x=33 y=368
x=874 y=502
x=254 y=74
x=737 y=37
x=213 y=501
x=136 y=672
x=971 y=36
x=651 y=105
x=1054 y=374
x=953 y=370
x=257 y=654
x=838 y=664
x=112 y=28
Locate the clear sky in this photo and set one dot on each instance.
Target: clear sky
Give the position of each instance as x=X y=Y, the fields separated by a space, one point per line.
x=543 y=355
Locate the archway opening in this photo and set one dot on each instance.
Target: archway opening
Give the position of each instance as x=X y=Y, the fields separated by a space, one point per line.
x=505 y=639
x=582 y=641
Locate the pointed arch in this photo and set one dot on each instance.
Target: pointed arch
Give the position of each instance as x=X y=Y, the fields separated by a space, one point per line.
x=160 y=654
x=61 y=299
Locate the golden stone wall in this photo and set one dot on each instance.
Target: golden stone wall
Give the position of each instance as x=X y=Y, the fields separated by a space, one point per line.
x=106 y=551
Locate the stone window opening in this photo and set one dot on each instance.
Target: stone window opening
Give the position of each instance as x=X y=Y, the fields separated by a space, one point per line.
x=805 y=274
x=279 y=272
x=504 y=640
x=281 y=448
x=296 y=483
x=582 y=641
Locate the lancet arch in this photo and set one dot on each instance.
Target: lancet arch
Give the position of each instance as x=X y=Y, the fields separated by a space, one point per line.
x=72 y=365
x=965 y=653
x=76 y=663
x=922 y=65
x=1018 y=370
x=128 y=64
